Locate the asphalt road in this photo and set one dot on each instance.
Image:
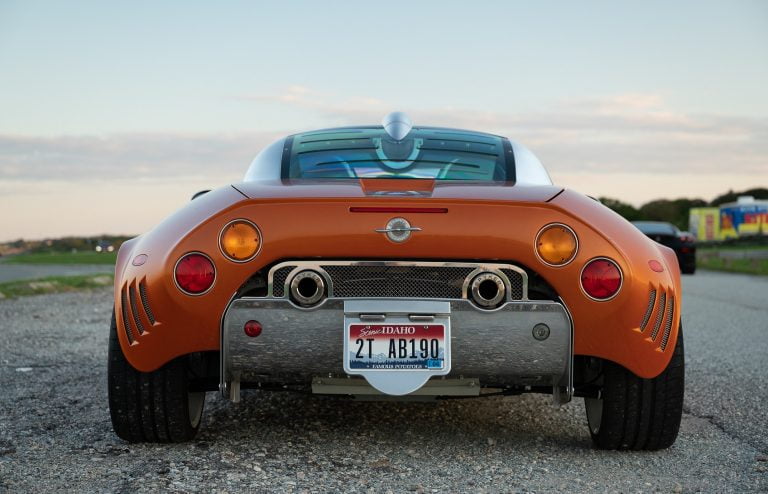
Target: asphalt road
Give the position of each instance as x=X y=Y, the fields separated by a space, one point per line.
x=55 y=433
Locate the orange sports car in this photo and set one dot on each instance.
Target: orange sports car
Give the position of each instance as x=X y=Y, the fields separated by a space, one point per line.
x=397 y=260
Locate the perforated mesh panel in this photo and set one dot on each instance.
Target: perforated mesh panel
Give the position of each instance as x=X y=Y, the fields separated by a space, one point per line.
x=515 y=284
x=397 y=281
x=649 y=310
x=278 y=280
x=391 y=281
x=668 y=324
x=659 y=316
x=145 y=302
x=124 y=311
x=134 y=309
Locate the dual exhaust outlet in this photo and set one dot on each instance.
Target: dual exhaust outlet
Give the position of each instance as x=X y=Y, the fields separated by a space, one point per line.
x=487 y=290
x=307 y=288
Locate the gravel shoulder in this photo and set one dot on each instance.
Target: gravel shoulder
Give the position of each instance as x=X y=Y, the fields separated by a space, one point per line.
x=55 y=433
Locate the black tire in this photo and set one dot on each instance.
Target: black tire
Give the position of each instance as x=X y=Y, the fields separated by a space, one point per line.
x=151 y=406
x=635 y=413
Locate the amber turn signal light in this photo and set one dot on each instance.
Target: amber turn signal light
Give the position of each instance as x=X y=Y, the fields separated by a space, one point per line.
x=240 y=240
x=556 y=244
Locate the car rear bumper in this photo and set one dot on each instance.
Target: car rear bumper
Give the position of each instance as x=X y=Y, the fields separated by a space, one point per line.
x=489 y=348
x=687 y=260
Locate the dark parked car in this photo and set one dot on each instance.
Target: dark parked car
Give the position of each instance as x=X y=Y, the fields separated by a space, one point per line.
x=683 y=243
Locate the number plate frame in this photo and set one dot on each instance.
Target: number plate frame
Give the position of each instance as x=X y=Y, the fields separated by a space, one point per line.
x=399 y=343
x=395 y=313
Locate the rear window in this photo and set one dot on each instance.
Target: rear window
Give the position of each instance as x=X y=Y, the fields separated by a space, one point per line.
x=439 y=154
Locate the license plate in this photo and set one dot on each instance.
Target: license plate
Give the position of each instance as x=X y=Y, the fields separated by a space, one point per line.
x=396 y=347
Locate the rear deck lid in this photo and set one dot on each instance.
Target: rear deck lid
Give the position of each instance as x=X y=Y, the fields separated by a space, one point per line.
x=399 y=188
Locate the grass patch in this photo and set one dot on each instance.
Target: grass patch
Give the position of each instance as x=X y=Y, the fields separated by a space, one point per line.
x=54 y=284
x=748 y=266
x=82 y=257
x=712 y=248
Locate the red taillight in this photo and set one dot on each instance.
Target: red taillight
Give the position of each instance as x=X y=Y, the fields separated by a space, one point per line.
x=252 y=328
x=601 y=279
x=194 y=273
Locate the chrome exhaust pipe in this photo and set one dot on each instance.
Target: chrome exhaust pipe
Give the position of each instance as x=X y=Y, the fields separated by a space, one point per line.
x=487 y=290
x=307 y=288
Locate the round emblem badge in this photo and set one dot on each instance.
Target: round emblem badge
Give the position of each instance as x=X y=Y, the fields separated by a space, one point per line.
x=398 y=230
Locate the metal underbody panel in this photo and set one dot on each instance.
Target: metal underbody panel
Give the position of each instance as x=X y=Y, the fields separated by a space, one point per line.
x=489 y=348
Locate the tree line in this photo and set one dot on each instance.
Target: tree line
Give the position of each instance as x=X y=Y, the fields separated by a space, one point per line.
x=65 y=244
x=675 y=211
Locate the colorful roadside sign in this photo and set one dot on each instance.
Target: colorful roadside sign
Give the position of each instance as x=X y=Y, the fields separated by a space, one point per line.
x=704 y=223
x=744 y=219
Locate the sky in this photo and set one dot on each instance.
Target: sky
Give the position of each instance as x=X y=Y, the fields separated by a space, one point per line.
x=113 y=113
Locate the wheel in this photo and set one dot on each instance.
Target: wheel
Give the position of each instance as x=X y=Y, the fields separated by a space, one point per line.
x=635 y=413
x=151 y=406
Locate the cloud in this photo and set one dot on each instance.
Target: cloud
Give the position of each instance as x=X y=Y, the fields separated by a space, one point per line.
x=619 y=134
x=130 y=156
x=345 y=110
x=631 y=146
x=634 y=132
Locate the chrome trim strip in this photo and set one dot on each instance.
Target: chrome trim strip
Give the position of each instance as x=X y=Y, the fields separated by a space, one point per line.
x=417 y=317
x=398 y=230
x=373 y=317
x=224 y=350
x=358 y=386
x=557 y=397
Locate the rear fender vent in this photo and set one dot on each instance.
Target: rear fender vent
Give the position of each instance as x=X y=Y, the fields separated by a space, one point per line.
x=134 y=309
x=660 y=311
x=649 y=310
x=145 y=302
x=659 y=315
x=134 y=304
x=124 y=313
x=668 y=324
